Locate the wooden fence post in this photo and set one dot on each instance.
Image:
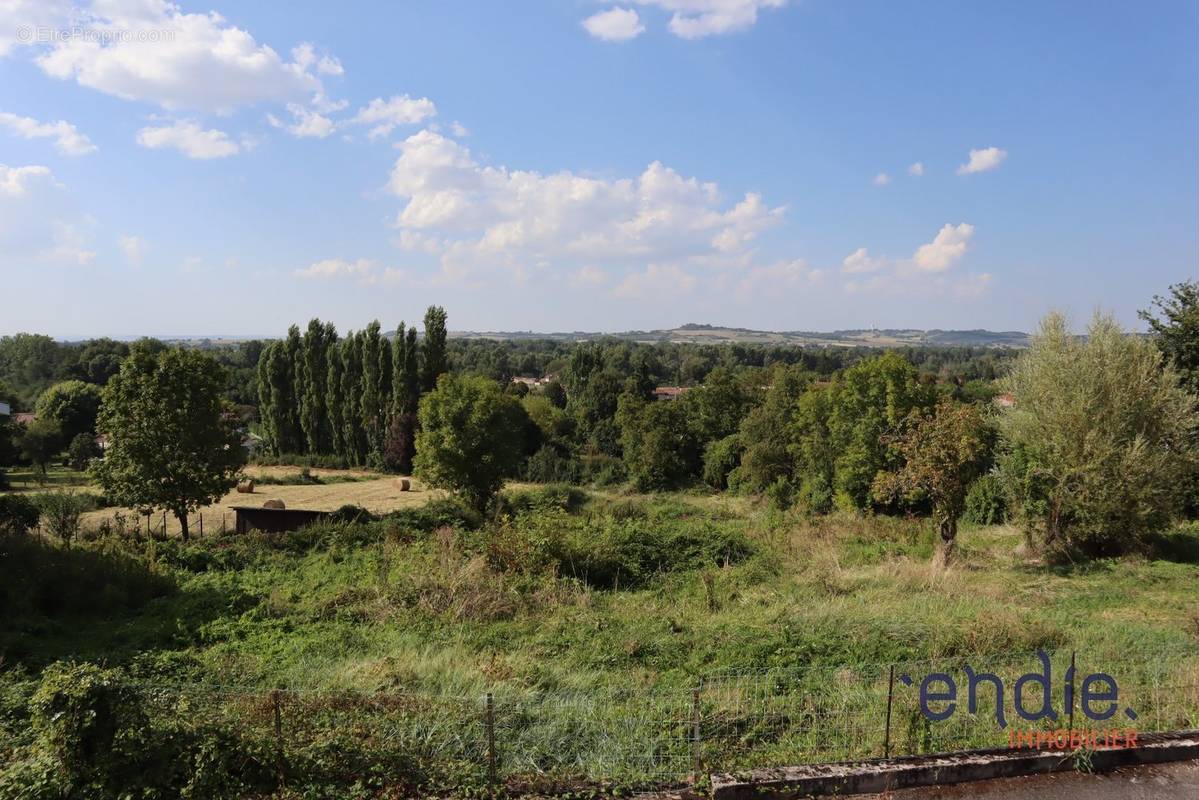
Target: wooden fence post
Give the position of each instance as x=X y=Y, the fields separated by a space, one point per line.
x=890 y=698
x=280 y=776
x=696 y=759
x=489 y=724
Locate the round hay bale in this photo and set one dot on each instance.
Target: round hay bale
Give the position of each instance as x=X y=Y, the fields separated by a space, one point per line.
x=274 y=504
x=246 y=487
x=403 y=484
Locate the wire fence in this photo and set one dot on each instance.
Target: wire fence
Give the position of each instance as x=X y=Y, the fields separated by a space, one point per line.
x=662 y=737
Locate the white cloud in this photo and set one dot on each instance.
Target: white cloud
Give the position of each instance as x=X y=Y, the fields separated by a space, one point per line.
x=15 y=181
x=151 y=51
x=983 y=160
x=775 y=277
x=655 y=282
x=21 y=19
x=945 y=250
x=882 y=179
x=306 y=123
x=67 y=139
x=385 y=115
x=459 y=130
x=916 y=169
x=39 y=224
x=495 y=216
x=190 y=139
x=134 y=248
x=589 y=275
x=973 y=285
x=338 y=267
x=860 y=260
x=615 y=25
x=695 y=19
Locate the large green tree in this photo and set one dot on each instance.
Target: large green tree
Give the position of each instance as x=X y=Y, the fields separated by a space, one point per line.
x=74 y=405
x=172 y=439
x=472 y=437
x=660 y=447
x=1100 y=444
x=313 y=390
x=1174 y=322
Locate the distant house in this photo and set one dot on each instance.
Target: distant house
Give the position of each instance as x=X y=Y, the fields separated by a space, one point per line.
x=670 y=392
x=102 y=443
x=24 y=418
x=533 y=383
x=5 y=410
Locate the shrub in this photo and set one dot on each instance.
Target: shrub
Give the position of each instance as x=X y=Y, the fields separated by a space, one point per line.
x=985 y=502
x=17 y=513
x=560 y=497
x=781 y=493
x=63 y=511
x=547 y=465
x=610 y=553
x=721 y=457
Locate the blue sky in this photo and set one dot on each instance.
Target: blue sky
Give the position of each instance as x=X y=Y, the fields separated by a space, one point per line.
x=224 y=167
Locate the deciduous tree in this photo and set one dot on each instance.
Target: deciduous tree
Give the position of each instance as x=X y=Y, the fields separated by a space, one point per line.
x=172 y=439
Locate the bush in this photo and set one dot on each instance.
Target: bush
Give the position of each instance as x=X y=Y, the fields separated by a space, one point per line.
x=781 y=493
x=611 y=553
x=547 y=465
x=601 y=469
x=561 y=497
x=721 y=457
x=985 y=502
x=18 y=514
x=63 y=511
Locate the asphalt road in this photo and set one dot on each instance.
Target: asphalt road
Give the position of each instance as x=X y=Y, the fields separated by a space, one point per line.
x=1176 y=781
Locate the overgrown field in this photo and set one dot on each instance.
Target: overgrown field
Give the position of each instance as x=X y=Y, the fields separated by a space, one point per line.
x=591 y=619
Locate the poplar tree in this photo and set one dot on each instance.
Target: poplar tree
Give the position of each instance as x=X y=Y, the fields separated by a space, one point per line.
x=314 y=372
x=371 y=400
x=351 y=391
x=435 y=347
x=335 y=402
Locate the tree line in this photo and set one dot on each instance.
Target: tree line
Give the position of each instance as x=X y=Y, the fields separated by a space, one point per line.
x=352 y=398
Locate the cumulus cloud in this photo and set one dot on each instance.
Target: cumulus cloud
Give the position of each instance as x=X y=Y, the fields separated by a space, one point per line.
x=134 y=248
x=305 y=123
x=916 y=169
x=151 y=51
x=364 y=270
x=15 y=181
x=690 y=19
x=486 y=215
x=190 y=139
x=983 y=160
x=383 y=116
x=655 y=282
x=860 y=260
x=781 y=275
x=882 y=179
x=615 y=25
x=67 y=139
x=39 y=224
x=20 y=19
x=945 y=250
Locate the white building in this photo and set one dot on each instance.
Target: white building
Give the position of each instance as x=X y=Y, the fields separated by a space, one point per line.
x=5 y=410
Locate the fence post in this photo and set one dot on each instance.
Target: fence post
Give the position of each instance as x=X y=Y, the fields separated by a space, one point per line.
x=201 y=524
x=890 y=700
x=1072 y=654
x=278 y=712
x=489 y=725
x=696 y=759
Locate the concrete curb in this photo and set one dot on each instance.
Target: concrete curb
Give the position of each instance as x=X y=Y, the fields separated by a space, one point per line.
x=865 y=777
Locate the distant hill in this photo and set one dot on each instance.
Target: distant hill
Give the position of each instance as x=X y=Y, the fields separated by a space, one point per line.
x=695 y=333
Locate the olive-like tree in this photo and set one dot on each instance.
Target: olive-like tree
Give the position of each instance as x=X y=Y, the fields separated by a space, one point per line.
x=1100 y=446
x=173 y=441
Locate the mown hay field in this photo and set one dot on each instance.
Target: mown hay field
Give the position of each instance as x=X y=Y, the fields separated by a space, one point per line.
x=372 y=491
